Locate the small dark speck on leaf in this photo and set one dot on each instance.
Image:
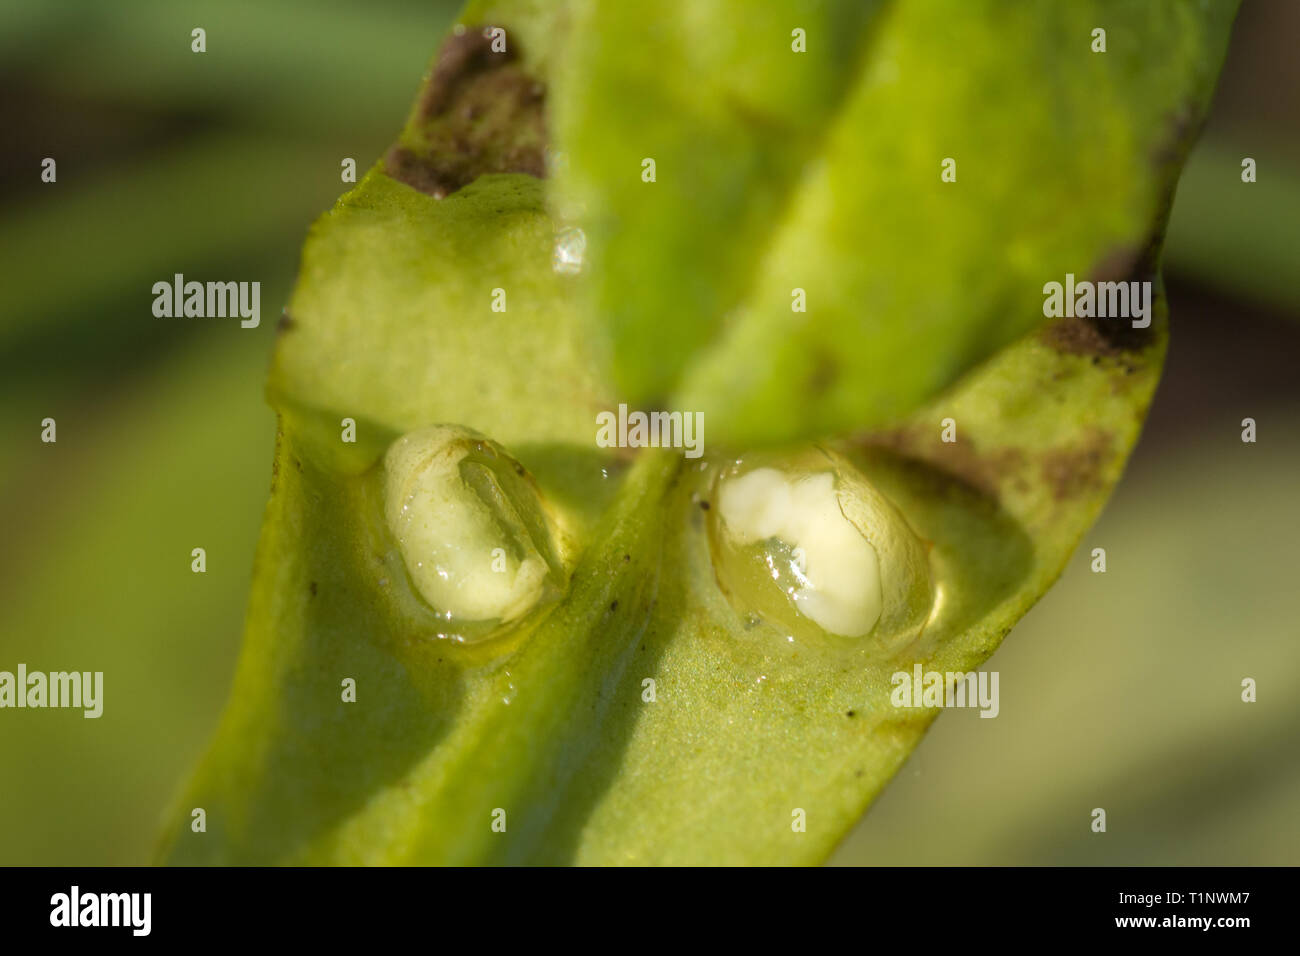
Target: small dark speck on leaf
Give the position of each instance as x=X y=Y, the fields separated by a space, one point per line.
x=313 y=589
x=850 y=713
x=613 y=605
x=824 y=374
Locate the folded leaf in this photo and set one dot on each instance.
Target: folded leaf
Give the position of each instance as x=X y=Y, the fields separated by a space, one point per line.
x=819 y=175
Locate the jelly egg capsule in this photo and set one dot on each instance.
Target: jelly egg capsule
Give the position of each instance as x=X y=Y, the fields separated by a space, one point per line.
x=809 y=543
x=470 y=524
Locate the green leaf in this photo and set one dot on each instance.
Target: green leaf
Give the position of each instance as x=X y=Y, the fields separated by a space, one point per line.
x=821 y=171
x=745 y=731
x=657 y=705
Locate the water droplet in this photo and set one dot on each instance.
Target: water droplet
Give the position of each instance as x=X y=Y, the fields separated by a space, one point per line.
x=477 y=540
x=570 y=248
x=557 y=161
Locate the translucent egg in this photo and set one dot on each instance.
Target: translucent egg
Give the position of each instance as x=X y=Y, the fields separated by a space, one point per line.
x=471 y=526
x=807 y=543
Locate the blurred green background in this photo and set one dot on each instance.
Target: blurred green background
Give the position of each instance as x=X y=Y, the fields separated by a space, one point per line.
x=1119 y=690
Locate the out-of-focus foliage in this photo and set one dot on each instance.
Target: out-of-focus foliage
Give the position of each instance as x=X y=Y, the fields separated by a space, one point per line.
x=1242 y=238
x=168 y=161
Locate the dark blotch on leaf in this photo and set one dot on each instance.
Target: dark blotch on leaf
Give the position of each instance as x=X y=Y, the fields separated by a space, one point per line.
x=1110 y=337
x=983 y=471
x=824 y=373
x=1076 y=336
x=460 y=58
x=1076 y=470
x=480 y=112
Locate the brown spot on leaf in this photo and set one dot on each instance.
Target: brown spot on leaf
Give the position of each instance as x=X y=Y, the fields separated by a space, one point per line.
x=1076 y=336
x=1113 y=336
x=480 y=112
x=823 y=375
x=462 y=56
x=1078 y=469
x=1110 y=338
x=985 y=471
